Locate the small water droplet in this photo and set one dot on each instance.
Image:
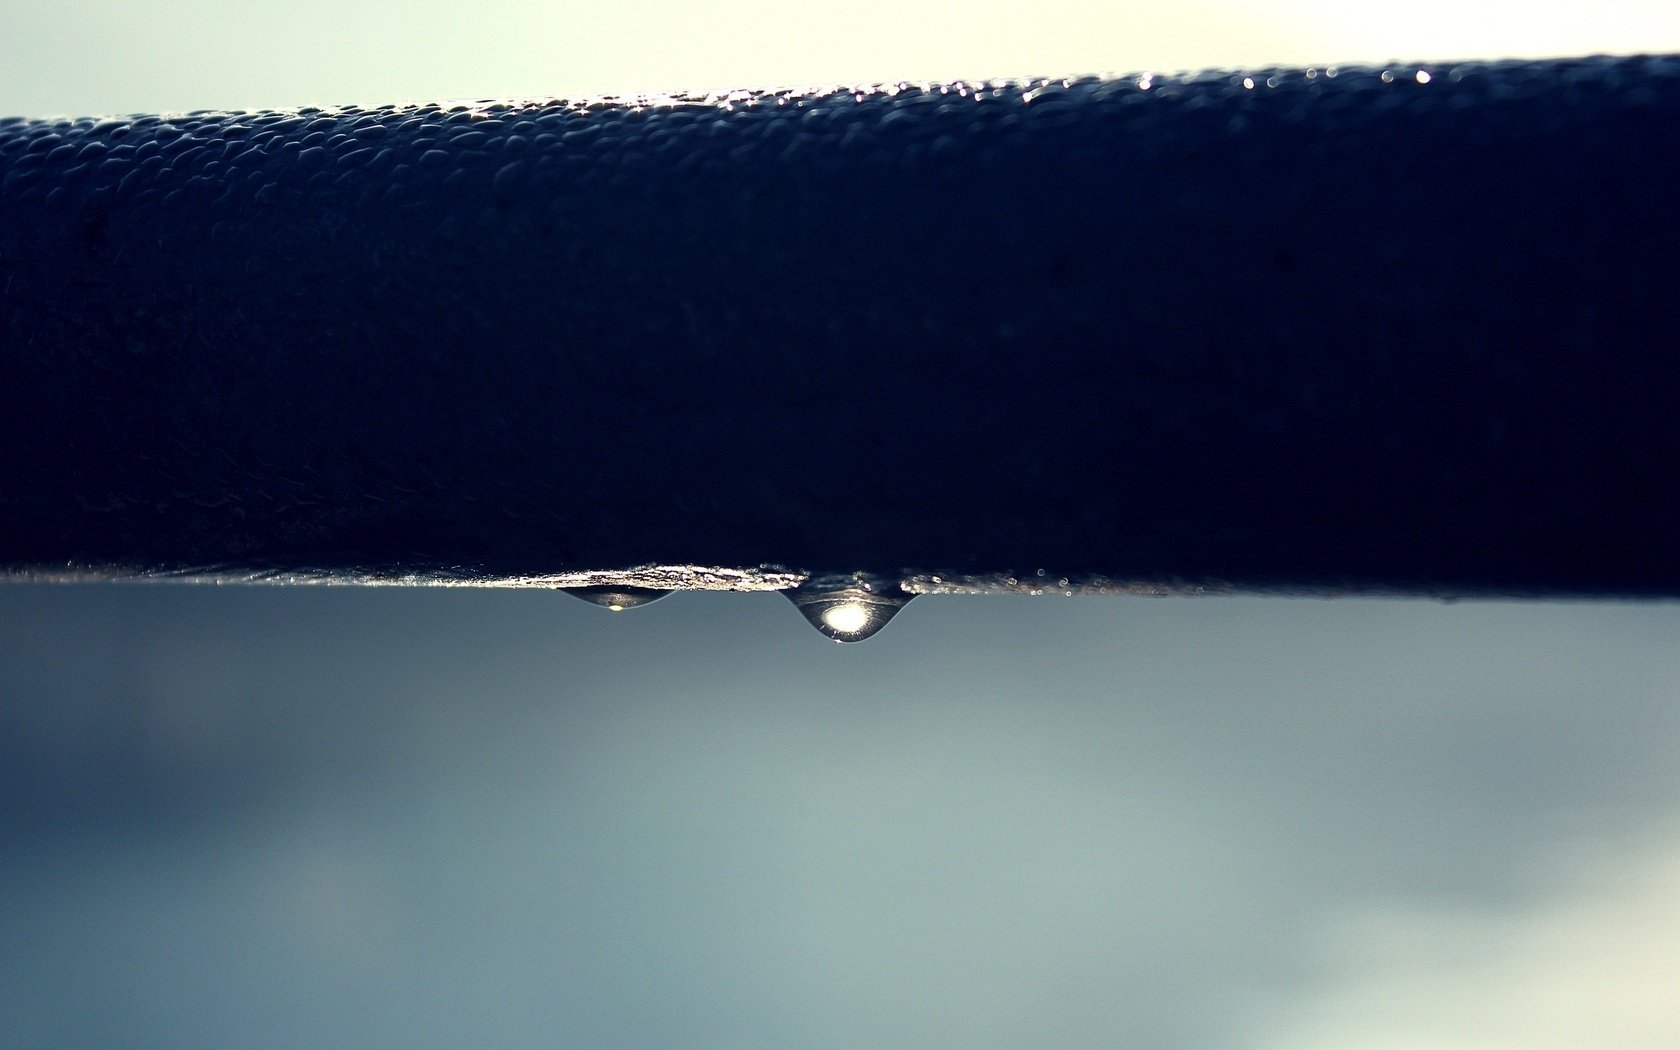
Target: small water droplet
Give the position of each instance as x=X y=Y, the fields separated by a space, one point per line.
x=848 y=607
x=614 y=597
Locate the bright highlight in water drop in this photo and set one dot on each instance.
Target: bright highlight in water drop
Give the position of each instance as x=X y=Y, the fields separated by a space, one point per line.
x=616 y=598
x=847 y=619
x=849 y=607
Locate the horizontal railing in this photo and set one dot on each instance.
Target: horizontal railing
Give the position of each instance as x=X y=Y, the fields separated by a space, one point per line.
x=1406 y=329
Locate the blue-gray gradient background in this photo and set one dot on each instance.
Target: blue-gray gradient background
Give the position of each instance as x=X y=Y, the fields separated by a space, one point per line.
x=335 y=817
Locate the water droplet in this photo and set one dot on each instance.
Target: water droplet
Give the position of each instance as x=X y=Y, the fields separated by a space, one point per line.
x=848 y=607
x=614 y=597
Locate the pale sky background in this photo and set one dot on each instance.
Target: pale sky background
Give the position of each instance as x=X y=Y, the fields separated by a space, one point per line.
x=377 y=818
x=82 y=56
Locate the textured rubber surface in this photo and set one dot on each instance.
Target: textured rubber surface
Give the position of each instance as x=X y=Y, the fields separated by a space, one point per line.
x=1263 y=329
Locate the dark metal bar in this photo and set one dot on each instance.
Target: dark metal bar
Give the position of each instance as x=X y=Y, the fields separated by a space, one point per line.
x=1383 y=329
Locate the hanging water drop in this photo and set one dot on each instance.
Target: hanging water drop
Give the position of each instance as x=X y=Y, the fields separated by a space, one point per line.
x=849 y=607
x=615 y=597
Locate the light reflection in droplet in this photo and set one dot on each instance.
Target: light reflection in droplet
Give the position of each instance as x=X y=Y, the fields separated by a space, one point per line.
x=846 y=619
x=616 y=598
x=849 y=607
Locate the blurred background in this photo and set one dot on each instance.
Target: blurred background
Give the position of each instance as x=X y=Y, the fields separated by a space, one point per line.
x=85 y=56
x=396 y=818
